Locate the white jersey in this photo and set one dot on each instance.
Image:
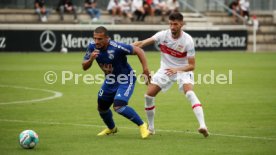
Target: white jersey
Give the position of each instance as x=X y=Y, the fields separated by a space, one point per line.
x=174 y=52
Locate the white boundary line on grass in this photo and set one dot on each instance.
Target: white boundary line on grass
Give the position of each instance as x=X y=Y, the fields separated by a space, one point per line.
x=56 y=95
x=159 y=130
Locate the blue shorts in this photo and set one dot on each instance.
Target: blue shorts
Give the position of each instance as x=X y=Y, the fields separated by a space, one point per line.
x=116 y=91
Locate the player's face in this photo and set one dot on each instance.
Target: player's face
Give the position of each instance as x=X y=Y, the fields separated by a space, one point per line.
x=101 y=40
x=175 y=27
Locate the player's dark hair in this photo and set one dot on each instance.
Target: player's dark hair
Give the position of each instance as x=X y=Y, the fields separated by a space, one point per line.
x=176 y=16
x=101 y=29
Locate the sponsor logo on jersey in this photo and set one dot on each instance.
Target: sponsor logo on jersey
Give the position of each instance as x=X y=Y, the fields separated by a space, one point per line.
x=172 y=52
x=111 y=54
x=180 y=48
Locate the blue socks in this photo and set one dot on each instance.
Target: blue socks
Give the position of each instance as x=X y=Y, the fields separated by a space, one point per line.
x=130 y=114
x=107 y=118
x=125 y=111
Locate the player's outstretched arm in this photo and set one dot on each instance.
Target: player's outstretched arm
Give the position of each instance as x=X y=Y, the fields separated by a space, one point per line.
x=86 y=64
x=141 y=55
x=144 y=43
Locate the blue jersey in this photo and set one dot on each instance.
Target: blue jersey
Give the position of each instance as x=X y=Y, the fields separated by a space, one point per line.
x=114 y=55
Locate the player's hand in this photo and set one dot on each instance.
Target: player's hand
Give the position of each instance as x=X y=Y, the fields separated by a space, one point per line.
x=171 y=71
x=94 y=54
x=136 y=43
x=147 y=76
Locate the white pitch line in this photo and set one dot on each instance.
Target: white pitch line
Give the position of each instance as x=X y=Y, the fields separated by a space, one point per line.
x=56 y=95
x=159 y=130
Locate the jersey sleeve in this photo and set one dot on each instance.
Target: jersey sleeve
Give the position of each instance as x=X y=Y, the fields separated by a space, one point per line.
x=190 y=47
x=125 y=49
x=89 y=50
x=157 y=37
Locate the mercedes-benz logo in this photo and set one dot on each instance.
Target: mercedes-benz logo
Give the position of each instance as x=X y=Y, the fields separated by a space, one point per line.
x=48 y=40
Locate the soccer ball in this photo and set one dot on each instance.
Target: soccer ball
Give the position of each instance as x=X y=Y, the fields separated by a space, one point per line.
x=64 y=50
x=28 y=139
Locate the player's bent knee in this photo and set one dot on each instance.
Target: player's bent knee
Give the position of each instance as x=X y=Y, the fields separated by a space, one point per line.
x=116 y=108
x=187 y=88
x=118 y=104
x=153 y=90
x=151 y=94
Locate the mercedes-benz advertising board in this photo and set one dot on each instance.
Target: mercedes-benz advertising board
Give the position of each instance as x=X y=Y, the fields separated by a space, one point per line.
x=77 y=40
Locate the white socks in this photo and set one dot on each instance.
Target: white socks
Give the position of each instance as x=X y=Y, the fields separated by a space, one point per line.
x=198 y=111
x=191 y=96
x=150 y=111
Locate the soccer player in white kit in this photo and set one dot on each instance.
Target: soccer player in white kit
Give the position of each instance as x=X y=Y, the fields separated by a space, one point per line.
x=177 y=65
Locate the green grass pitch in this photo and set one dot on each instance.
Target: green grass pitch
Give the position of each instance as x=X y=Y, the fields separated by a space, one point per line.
x=241 y=116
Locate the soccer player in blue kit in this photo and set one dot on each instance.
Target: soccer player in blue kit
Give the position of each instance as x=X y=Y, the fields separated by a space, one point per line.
x=119 y=80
